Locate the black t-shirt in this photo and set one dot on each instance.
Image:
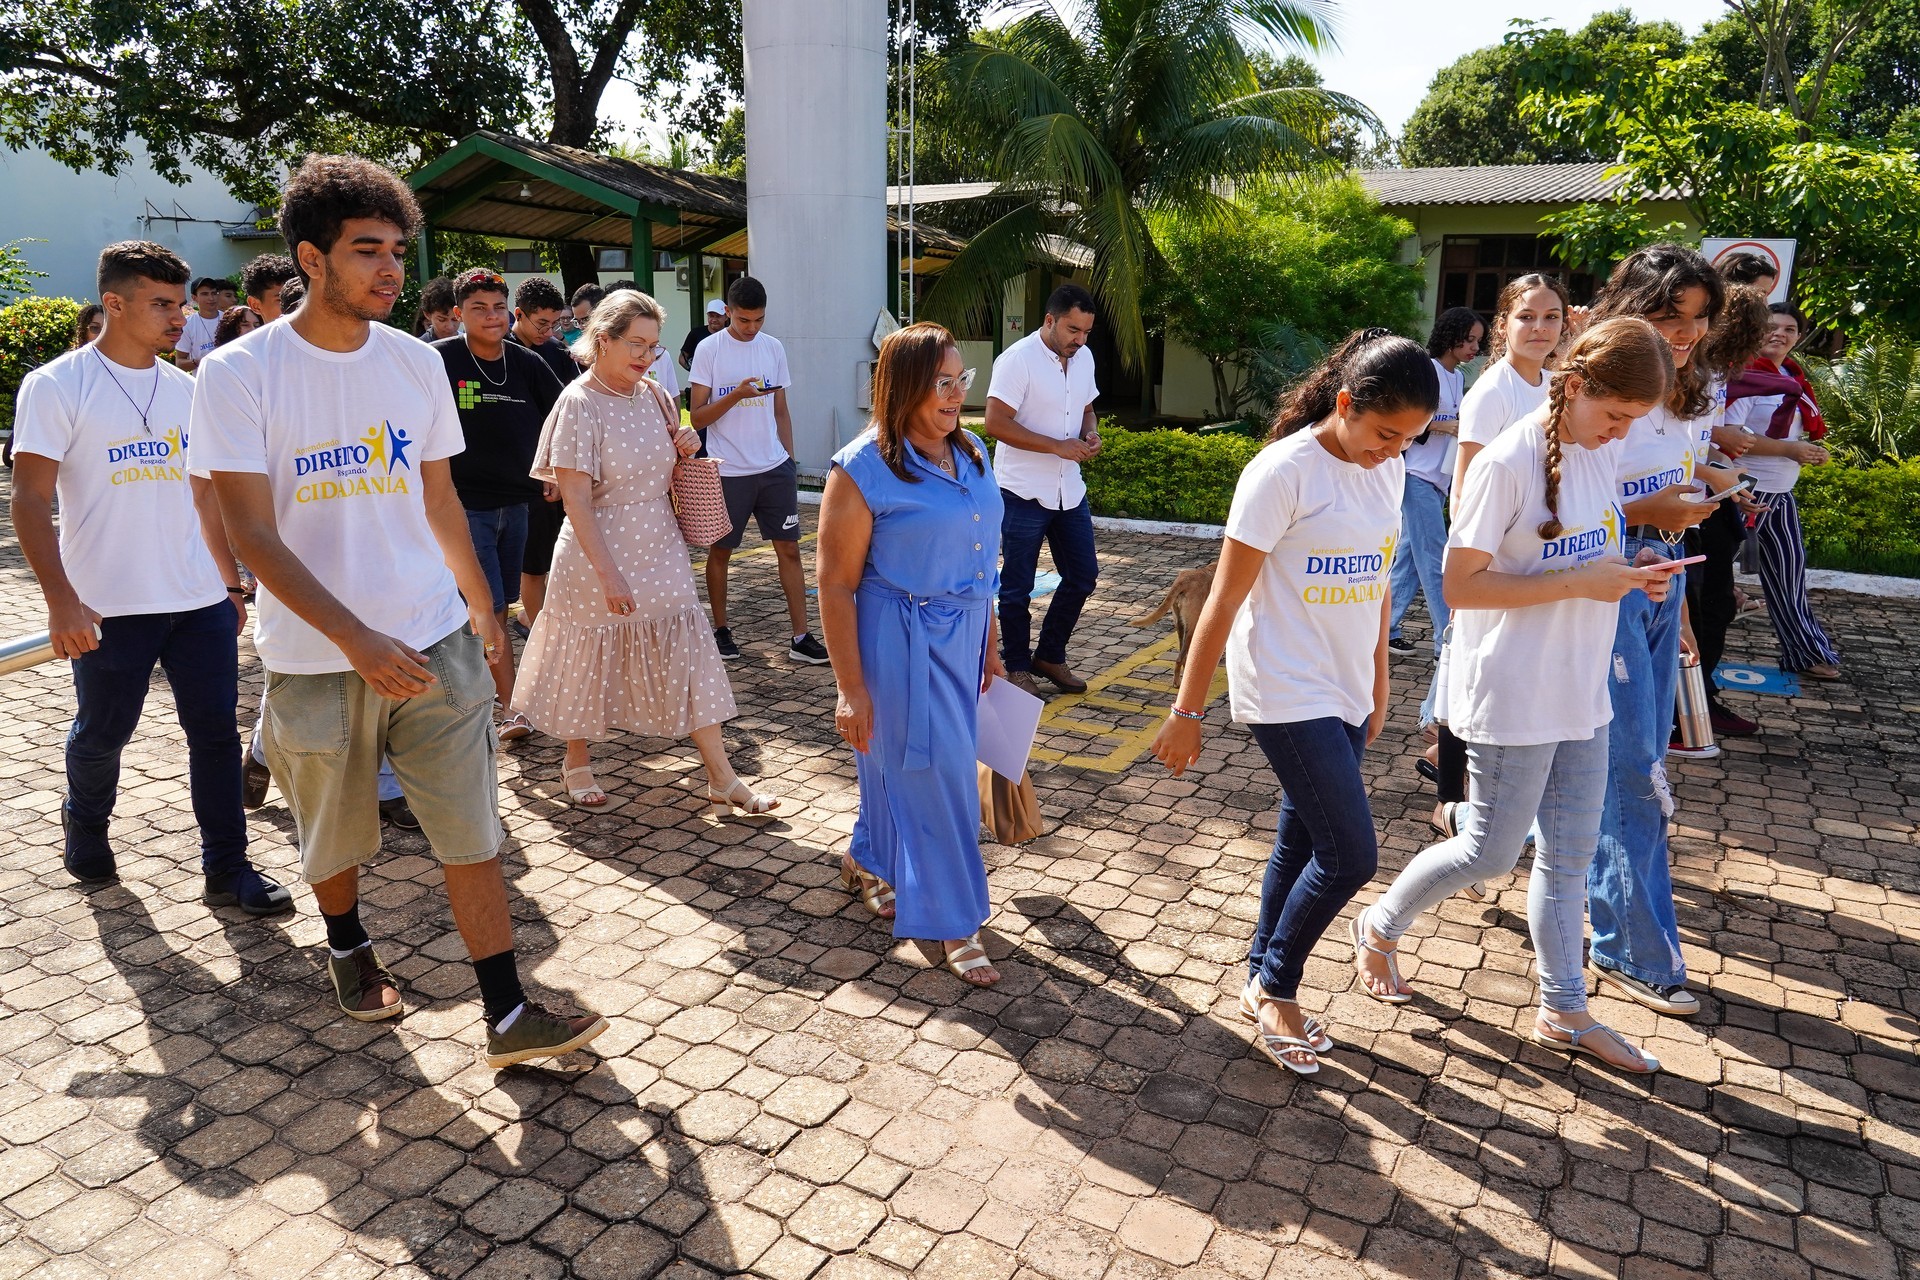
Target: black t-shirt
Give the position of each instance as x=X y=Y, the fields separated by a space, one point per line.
x=503 y=405
x=555 y=353
x=699 y=335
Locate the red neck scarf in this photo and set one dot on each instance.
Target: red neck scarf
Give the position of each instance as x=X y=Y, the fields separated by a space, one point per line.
x=1789 y=381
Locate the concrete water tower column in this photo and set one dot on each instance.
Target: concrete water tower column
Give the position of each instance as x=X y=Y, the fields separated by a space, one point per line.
x=816 y=90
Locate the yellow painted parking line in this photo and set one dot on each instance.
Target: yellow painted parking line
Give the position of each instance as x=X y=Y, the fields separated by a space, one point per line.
x=1128 y=744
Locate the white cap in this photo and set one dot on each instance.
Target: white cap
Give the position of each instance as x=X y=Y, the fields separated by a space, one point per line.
x=715 y=307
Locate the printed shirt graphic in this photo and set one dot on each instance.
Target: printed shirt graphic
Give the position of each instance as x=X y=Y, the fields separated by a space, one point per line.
x=129 y=534
x=341 y=437
x=1660 y=451
x=502 y=405
x=1302 y=646
x=1433 y=460
x=1522 y=677
x=746 y=438
x=196 y=338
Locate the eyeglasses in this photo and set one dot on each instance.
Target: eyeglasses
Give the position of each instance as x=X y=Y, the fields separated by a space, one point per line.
x=945 y=386
x=538 y=325
x=652 y=351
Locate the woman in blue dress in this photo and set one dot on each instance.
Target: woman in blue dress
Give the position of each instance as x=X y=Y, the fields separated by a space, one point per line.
x=908 y=566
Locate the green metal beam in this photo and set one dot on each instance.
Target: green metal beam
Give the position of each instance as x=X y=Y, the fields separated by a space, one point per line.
x=640 y=261
x=445 y=204
x=532 y=166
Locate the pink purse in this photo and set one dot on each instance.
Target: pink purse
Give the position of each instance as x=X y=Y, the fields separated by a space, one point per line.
x=699 y=504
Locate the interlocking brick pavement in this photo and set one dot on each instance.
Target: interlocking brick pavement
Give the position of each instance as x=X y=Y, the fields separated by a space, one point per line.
x=787 y=1091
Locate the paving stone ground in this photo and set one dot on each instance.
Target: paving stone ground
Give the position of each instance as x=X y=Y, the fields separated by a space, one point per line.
x=787 y=1091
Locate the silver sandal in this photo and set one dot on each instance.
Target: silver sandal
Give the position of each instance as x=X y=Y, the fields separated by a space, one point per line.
x=1317 y=1038
x=1573 y=1045
x=1358 y=932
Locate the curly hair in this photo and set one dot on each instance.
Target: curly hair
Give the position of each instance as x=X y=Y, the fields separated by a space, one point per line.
x=478 y=280
x=84 y=320
x=539 y=294
x=1624 y=358
x=1733 y=343
x=324 y=191
x=230 y=321
x=1511 y=297
x=1382 y=372
x=266 y=271
x=1451 y=328
x=1650 y=282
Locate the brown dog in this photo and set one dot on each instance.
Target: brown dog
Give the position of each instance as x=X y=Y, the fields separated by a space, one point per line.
x=1184 y=600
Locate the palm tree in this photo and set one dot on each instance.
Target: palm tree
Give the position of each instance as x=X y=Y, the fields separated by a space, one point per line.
x=1101 y=112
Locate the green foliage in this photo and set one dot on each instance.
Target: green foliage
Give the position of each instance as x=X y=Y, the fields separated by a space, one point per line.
x=1320 y=260
x=1871 y=400
x=1471 y=113
x=32 y=332
x=16 y=277
x=453 y=252
x=1167 y=475
x=1744 y=170
x=1862 y=519
x=1100 y=114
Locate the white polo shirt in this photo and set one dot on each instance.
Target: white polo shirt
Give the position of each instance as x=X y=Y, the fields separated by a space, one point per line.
x=1048 y=401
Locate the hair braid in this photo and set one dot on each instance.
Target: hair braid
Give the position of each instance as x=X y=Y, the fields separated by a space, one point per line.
x=1551 y=528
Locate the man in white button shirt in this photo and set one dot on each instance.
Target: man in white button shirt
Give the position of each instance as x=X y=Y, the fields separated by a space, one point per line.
x=1040 y=409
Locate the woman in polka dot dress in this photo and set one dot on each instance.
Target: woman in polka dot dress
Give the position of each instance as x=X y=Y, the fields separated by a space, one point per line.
x=623 y=643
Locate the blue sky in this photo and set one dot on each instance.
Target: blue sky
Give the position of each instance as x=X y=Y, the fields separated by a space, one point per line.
x=1390 y=49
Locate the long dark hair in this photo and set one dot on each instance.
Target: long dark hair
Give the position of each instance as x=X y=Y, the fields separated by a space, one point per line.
x=903 y=378
x=1649 y=282
x=82 y=322
x=1381 y=371
x=1451 y=328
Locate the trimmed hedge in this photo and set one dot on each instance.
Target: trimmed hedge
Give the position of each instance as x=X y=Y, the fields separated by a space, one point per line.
x=1858 y=519
x=32 y=332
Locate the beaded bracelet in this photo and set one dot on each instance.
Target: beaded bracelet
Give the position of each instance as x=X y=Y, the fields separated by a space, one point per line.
x=1189 y=715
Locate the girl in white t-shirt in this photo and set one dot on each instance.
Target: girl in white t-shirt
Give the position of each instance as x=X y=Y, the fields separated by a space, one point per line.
x=1299 y=606
x=1529 y=322
x=1535 y=575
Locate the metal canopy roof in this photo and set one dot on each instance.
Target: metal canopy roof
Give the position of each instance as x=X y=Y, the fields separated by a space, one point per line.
x=1496 y=184
x=495 y=184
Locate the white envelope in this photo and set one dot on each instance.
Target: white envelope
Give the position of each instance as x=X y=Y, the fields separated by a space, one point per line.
x=1008 y=718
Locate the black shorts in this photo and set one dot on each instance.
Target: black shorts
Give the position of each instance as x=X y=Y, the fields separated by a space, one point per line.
x=772 y=498
x=543 y=530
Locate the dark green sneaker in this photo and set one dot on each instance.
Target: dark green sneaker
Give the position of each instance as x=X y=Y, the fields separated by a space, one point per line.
x=540 y=1033
x=357 y=983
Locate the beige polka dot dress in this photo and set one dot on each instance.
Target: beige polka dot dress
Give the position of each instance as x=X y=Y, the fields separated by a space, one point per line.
x=587 y=671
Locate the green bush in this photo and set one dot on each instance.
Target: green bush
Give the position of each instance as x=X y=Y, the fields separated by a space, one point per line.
x=1871 y=399
x=1862 y=519
x=32 y=332
x=1167 y=475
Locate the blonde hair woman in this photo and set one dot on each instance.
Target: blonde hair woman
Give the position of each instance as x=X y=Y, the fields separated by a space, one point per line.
x=622 y=642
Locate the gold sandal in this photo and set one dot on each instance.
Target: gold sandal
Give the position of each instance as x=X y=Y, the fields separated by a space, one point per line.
x=875 y=894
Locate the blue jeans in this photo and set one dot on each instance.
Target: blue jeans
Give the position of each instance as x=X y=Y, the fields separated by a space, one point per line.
x=1629 y=883
x=1069 y=535
x=500 y=542
x=1418 y=563
x=200 y=655
x=1565 y=784
x=1324 y=851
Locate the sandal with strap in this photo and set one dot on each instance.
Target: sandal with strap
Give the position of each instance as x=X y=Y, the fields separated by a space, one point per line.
x=1446 y=820
x=756 y=805
x=875 y=894
x=960 y=964
x=1573 y=1044
x=581 y=786
x=515 y=727
x=1278 y=1047
x=1357 y=930
x=1317 y=1037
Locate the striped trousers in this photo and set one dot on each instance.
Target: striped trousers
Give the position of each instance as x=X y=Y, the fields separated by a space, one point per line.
x=1783 y=576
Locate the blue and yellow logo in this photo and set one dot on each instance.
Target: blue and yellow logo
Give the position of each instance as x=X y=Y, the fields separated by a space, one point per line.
x=137 y=460
x=1346 y=575
x=367 y=466
x=1576 y=547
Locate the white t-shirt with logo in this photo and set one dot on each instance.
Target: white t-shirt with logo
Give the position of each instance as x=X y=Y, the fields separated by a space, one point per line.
x=341 y=437
x=196 y=339
x=1660 y=451
x=746 y=438
x=1538 y=674
x=1499 y=399
x=1302 y=646
x=1432 y=460
x=1049 y=401
x=129 y=534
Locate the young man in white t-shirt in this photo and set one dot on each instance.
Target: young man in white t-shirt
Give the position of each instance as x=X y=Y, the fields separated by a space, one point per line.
x=327 y=439
x=264 y=278
x=142 y=557
x=197 y=334
x=1040 y=410
x=737 y=394
x=1417 y=564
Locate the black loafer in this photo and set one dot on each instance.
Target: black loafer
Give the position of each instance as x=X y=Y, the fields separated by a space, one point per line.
x=396 y=812
x=87 y=855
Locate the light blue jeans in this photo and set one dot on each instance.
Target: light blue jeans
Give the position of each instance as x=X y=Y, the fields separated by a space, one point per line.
x=1630 y=884
x=1418 y=563
x=1565 y=784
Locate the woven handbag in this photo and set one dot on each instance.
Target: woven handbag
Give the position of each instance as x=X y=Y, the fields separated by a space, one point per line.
x=698 y=502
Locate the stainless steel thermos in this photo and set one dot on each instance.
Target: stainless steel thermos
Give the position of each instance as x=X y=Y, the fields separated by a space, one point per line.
x=1690 y=699
x=28 y=651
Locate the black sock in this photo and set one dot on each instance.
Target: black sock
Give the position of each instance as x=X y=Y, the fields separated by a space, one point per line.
x=344 y=931
x=500 y=992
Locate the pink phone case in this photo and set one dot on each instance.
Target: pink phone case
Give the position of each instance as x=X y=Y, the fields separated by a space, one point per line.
x=1672 y=564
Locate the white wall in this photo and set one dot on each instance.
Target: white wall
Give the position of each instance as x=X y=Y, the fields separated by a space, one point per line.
x=78 y=214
